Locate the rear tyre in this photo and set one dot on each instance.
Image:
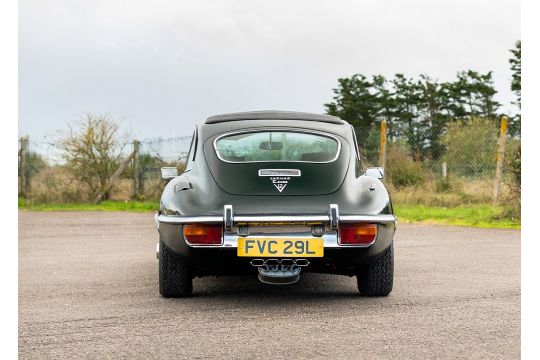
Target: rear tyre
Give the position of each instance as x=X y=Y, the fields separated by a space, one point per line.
x=377 y=277
x=174 y=276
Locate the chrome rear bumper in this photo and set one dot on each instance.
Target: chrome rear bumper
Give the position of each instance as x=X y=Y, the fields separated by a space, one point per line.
x=232 y=222
x=333 y=218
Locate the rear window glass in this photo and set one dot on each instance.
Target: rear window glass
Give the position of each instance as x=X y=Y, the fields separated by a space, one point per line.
x=277 y=146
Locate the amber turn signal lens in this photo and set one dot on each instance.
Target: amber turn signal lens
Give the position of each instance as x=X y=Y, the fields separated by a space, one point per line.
x=357 y=234
x=200 y=234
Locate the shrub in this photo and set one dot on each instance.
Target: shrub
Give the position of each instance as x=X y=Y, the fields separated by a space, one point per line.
x=512 y=200
x=443 y=185
x=92 y=151
x=471 y=147
x=402 y=170
x=55 y=184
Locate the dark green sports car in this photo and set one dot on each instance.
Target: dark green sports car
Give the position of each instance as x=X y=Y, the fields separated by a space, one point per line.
x=275 y=194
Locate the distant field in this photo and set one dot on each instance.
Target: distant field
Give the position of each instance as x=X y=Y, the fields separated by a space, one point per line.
x=486 y=216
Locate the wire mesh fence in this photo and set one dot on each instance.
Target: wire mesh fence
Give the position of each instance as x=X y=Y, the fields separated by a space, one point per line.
x=155 y=154
x=455 y=166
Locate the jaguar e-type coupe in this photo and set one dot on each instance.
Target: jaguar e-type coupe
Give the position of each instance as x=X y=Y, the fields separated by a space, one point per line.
x=275 y=194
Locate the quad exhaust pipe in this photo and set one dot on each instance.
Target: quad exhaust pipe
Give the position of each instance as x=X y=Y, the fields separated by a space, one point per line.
x=279 y=262
x=279 y=271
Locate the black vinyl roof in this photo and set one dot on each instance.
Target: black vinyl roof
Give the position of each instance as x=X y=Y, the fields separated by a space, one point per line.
x=273 y=115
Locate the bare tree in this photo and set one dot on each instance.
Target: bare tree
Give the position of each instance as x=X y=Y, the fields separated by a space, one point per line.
x=92 y=150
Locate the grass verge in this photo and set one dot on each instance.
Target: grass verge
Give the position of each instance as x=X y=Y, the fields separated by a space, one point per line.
x=133 y=206
x=487 y=216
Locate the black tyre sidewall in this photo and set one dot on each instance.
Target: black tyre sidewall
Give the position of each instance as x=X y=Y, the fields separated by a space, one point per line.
x=376 y=279
x=174 y=276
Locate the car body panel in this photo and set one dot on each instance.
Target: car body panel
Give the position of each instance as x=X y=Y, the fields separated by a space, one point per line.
x=209 y=184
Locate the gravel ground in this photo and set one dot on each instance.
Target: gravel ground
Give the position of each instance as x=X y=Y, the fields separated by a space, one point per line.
x=88 y=289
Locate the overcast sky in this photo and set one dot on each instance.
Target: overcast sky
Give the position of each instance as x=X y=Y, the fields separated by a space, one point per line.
x=159 y=67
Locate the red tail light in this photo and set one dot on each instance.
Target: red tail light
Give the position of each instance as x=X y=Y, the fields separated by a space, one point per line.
x=199 y=234
x=357 y=234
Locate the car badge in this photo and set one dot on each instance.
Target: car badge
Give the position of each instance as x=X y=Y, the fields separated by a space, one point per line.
x=280 y=177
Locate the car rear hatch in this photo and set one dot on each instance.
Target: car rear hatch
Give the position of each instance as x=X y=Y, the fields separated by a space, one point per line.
x=277 y=162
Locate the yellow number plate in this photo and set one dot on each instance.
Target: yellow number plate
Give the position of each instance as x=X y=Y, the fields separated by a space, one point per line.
x=280 y=247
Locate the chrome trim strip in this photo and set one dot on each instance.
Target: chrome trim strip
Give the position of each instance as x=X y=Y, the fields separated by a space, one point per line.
x=190 y=219
x=279 y=172
x=289 y=129
x=381 y=219
x=156 y=222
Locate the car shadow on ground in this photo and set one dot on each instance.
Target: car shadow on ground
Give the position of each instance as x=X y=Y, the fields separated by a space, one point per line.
x=310 y=286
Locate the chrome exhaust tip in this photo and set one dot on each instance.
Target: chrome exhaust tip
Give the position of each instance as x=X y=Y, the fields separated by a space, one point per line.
x=287 y=262
x=257 y=262
x=273 y=262
x=279 y=271
x=282 y=275
x=279 y=263
x=301 y=262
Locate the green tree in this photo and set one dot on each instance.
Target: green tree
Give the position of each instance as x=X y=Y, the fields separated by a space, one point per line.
x=416 y=110
x=452 y=100
x=386 y=104
x=355 y=101
x=475 y=92
x=515 y=66
x=414 y=121
x=434 y=119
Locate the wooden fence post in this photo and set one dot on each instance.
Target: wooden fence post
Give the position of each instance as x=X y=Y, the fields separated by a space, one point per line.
x=136 y=170
x=382 y=145
x=500 y=159
x=23 y=156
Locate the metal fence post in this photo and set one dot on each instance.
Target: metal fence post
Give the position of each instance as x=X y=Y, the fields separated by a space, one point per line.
x=382 y=145
x=136 y=170
x=444 y=169
x=500 y=159
x=23 y=164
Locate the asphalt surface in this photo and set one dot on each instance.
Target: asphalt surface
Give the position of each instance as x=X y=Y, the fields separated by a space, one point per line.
x=88 y=289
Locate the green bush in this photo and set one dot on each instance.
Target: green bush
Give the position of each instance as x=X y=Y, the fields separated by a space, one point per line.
x=513 y=161
x=512 y=200
x=443 y=185
x=402 y=170
x=471 y=147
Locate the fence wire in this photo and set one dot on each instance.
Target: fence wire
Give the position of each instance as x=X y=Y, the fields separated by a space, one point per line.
x=450 y=167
